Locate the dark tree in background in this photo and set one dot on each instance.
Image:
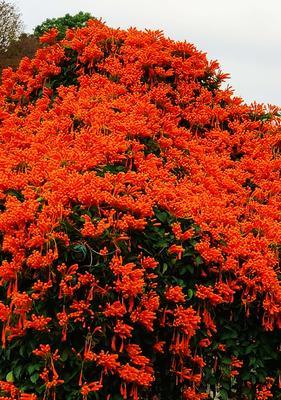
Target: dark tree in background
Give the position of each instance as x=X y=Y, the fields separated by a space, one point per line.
x=25 y=46
x=16 y=45
x=11 y=25
x=63 y=23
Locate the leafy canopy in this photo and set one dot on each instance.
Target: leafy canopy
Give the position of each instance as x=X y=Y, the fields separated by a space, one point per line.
x=63 y=23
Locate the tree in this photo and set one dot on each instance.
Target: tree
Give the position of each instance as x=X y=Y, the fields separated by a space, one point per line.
x=63 y=23
x=25 y=46
x=10 y=24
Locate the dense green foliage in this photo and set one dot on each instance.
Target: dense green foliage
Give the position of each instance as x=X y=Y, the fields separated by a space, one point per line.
x=63 y=23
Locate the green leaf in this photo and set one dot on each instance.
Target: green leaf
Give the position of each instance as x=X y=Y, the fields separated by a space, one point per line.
x=245 y=376
x=10 y=377
x=22 y=351
x=164 y=269
x=252 y=361
x=162 y=216
x=64 y=356
x=223 y=394
x=34 y=378
x=186 y=268
x=17 y=371
x=261 y=376
x=229 y=335
x=33 y=367
x=198 y=260
x=179 y=282
x=226 y=385
x=251 y=349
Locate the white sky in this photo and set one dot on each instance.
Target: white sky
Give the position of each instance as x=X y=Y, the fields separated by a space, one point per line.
x=243 y=35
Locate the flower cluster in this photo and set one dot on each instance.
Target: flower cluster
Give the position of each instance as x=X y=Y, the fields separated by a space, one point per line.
x=140 y=208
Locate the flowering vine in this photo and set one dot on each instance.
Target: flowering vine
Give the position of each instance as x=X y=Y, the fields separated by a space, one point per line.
x=140 y=224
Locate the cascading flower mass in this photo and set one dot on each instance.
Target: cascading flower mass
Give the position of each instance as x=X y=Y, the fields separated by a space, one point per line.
x=140 y=225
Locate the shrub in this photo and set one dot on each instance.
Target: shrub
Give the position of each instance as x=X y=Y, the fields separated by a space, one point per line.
x=140 y=225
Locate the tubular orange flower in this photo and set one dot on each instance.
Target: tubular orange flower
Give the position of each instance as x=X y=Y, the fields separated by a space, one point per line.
x=49 y=36
x=175 y=294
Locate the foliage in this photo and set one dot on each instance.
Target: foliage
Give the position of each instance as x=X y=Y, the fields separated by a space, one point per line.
x=140 y=225
x=63 y=23
x=10 y=24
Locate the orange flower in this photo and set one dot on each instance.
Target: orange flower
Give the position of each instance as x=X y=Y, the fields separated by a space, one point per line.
x=186 y=320
x=50 y=36
x=88 y=388
x=175 y=294
x=109 y=362
x=176 y=249
x=158 y=346
x=204 y=343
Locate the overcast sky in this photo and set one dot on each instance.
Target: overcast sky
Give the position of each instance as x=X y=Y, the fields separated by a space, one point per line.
x=244 y=35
